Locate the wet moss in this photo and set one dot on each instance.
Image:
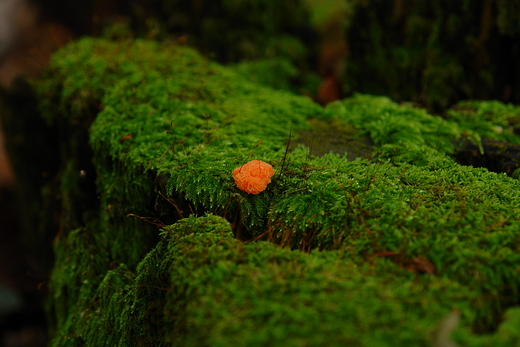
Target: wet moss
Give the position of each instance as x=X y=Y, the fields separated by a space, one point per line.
x=230 y=293
x=408 y=224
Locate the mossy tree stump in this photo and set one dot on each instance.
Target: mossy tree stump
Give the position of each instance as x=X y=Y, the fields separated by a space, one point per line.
x=157 y=246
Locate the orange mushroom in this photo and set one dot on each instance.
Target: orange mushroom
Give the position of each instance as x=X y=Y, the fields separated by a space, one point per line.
x=253 y=177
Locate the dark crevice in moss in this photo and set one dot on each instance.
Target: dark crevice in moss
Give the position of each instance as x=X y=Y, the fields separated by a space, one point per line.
x=499 y=156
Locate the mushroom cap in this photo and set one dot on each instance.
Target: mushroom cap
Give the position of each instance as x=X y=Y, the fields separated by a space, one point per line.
x=253 y=177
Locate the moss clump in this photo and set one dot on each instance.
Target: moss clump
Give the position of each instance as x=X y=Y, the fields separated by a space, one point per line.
x=389 y=123
x=491 y=136
x=409 y=226
x=119 y=307
x=491 y=119
x=229 y=293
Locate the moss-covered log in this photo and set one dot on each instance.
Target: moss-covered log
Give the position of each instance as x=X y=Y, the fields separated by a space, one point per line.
x=367 y=251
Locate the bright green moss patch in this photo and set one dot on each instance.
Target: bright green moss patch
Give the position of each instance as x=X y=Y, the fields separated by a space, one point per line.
x=490 y=119
x=396 y=240
x=227 y=293
x=389 y=123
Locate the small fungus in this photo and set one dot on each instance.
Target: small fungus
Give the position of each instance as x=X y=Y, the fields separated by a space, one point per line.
x=253 y=177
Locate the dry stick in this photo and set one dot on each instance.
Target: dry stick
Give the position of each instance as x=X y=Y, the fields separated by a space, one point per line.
x=285 y=155
x=308 y=154
x=179 y=212
x=172 y=133
x=308 y=151
x=150 y=286
x=206 y=133
x=256 y=238
x=151 y=220
x=437 y=144
x=250 y=154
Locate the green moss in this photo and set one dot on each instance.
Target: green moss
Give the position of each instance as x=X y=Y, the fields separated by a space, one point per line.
x=396 y=127
x=491 y=119
x=81 y=263
x=258 y=294
x=409 y=226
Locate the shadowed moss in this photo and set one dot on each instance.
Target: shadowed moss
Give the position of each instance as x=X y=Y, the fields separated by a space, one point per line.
x=279 y=73
x=491 y=119
x=438 y=234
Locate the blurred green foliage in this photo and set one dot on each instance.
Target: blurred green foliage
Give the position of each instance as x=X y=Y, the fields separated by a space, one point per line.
x=434 y=52
x=230 y=30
